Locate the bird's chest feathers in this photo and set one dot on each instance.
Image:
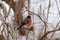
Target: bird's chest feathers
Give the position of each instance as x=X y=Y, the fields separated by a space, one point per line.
x=28 y=23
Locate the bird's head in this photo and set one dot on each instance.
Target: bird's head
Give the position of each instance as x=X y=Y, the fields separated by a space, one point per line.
x=28 y=16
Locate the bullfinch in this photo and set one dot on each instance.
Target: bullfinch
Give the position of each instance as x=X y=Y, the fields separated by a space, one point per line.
x=27 y=22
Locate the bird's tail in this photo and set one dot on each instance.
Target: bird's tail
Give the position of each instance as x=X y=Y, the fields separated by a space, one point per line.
x=20 y=26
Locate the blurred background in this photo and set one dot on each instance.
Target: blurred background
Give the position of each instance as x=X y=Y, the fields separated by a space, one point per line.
x=45 y=19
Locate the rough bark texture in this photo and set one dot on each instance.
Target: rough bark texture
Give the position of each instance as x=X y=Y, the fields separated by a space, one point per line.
x=17 y=8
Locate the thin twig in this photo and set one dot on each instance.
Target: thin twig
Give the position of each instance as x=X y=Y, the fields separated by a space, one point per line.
x=57 y=6
x=54 y=32
x=48 y=33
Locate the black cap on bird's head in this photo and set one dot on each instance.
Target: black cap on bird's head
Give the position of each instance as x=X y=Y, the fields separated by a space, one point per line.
x=28 y=16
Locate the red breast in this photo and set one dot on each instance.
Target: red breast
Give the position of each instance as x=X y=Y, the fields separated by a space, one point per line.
x=29 y=23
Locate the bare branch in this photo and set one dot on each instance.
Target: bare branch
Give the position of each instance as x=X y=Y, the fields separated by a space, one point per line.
x=55 y=28
x=48 y=33
x=57 y=7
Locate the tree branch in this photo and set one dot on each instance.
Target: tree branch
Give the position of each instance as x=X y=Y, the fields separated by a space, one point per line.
x=48 y=33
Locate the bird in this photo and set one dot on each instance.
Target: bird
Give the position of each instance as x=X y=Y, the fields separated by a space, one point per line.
x=27 y=22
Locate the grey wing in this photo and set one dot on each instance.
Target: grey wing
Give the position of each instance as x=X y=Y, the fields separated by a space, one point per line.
x=26 y=21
